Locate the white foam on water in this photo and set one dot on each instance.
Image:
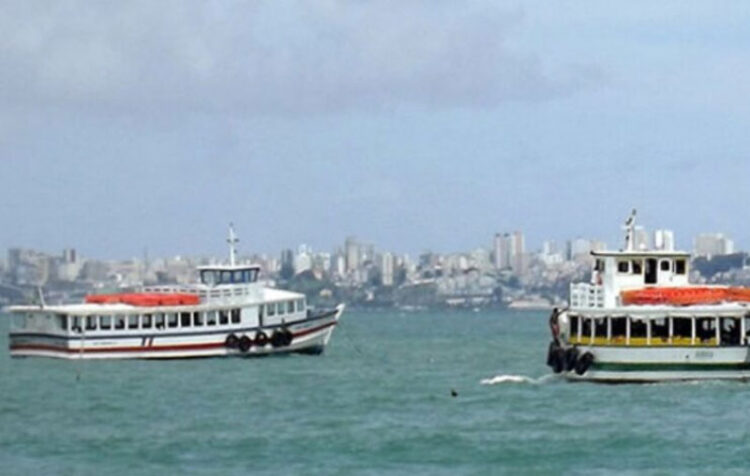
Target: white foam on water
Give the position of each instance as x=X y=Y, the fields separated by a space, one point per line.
x=500 y=379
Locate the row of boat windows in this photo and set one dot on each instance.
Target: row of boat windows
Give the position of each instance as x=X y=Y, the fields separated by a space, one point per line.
x=149 y=321
x=170 y=320
x=213 y=277
x=715 y=330
x=635 y=266
x=281 y=308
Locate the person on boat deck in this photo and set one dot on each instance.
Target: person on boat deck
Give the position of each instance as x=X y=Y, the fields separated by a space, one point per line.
x=554 y=325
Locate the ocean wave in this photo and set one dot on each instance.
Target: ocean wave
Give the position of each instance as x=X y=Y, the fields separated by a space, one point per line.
x=501 y=379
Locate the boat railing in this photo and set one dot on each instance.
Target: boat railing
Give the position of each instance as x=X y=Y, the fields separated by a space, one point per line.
x=235 y=293
x=585 y=295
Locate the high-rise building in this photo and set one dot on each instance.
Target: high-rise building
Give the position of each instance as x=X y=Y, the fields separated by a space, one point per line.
x=509 y=252
x=710 y=244
x=664 y=240
x=518 y=253
x=498 y=251
x=351 y=254
x=386 y=269
x=302 y=262
x=578 y=248
x=502 y=251
x=642 y=241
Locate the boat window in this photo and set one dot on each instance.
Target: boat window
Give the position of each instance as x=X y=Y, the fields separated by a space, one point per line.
x=619 y=328
x=660 y=331
x=197 y=319
x=226 y=277
x=90 y=323
x=105 y=322
x=680 y=266
x=650 y=273
x=638 y=330
x=573 y=326
x=62 y=321
x=280 y=308
x=682 y=330
x=209 y=277
x=133 y=321
x=159 y=321
x=300 y=305
x=637 y=266
x=184 y=319
x=599 y=265
x=623 y=267
x=146 y=321
x=586 y=327
x=600 y=327
x=252 y=275
x=705 y=329
x=223 y=317
x=730 y=331
x=119 y=322
x=272 y=309
x=261 y=308
x=17 y=321
x=239 y=277
x=666 y=265
x=172 y=319
x=76 y=324
x=235 y=316
x=290 y=307
x=211 y=318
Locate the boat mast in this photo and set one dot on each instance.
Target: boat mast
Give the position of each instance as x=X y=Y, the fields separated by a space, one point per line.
x=232 y=240
x=630 y=232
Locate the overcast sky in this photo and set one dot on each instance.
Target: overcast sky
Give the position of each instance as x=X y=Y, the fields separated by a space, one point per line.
x=410 y=124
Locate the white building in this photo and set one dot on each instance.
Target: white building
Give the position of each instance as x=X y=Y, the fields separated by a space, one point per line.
x=386 y=269
x=711 y=244
x=664 y=240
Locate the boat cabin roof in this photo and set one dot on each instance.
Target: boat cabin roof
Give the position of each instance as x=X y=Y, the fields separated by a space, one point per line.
x=640 y=254
x=269 y=295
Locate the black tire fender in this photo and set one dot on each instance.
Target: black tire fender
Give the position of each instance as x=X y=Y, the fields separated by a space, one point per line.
x=261 y=339
x=558 y=360
x=245 y=344
x=584 y=363
x=571 y=357
x=232 y=341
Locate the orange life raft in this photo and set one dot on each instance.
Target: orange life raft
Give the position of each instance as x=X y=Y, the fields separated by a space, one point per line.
x=685 y=296
x=145 y=299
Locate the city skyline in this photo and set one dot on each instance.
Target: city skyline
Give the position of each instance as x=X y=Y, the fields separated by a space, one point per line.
x=491 y=244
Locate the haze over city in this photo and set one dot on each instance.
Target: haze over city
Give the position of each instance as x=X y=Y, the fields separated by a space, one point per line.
x=427 y=125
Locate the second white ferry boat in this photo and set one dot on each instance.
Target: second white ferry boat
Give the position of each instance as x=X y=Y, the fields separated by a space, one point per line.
x=229 y=313
x=640 y=320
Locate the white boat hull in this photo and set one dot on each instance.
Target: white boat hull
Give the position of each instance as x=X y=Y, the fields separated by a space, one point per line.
x=656 y=364
x=308 y=336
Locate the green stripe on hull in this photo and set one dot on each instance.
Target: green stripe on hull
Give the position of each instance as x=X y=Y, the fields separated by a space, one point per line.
x=661 y=366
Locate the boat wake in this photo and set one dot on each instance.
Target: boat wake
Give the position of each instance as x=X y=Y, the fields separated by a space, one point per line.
x=502 y=379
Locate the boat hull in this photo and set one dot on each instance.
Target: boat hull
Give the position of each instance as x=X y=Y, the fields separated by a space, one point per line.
x=661 y=364
x=308 y=336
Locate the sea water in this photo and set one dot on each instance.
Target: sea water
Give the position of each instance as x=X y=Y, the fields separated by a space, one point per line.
x=379 y=401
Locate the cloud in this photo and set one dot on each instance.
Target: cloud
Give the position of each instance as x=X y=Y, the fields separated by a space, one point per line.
x=276 y=56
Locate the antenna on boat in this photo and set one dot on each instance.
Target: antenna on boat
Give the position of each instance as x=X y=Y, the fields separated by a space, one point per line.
x=232 y=240
x=630 y=231
x=40 y=294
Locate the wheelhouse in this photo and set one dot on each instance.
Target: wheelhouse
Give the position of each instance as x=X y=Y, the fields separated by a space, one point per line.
x=222 y=275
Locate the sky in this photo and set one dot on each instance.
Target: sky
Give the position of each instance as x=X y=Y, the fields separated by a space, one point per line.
x=411 y=124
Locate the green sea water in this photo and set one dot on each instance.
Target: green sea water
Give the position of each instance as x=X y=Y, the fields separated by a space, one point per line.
x=377 y=402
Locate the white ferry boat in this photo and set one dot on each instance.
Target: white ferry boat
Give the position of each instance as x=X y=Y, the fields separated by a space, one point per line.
x=229 y=313
x=640 y=320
